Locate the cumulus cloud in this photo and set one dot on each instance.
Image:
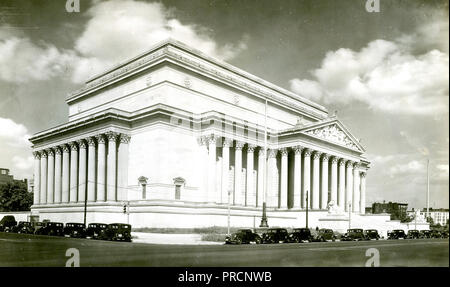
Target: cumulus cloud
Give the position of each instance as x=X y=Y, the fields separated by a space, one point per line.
x=13 y=134
x=408 y=168
x=117 y=30
x=407 y=75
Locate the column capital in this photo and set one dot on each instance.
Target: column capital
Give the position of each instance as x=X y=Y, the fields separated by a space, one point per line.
x=251 y=148
x=43 y=154
x=211 y=139
x=316 y=154
x=297 y=149
x=239 y=145
x=50 y=152
x=73 y=146
x=284 y=151
x=349 y=163
x=82 y=144
x=65 y=148
x=112 y=136
x=227 y=142
x=201 y=140
x=362 y=174
x=261 y=151
x=308 y=152
x=342 y=161
x=37 y=154
x=334 y=159
x=325 y=157
x=356 y=165
x=57 y=150
x=124 y=138
x=101 y=139
x=273 y=153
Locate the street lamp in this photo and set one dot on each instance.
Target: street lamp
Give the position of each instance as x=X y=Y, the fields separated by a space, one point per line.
x=307 y=192
x=264 y=215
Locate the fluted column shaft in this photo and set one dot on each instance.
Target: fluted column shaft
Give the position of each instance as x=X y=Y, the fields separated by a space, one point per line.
x=363 y=193
x=37 y=177
x=238 y=198
x=203 y=142
x=349 y=184
x=341 y=185
x=65 y=174
x=91 y=171
x=261 y=180
x=306 y=177
x=50 y=175
x=284 y=179
x=101 y=168
x=212 y=168
x=73 y=172
x=324 y=184
x=297 y=176
x=43 y=193
x=122 y=167
x=272 y=173
x=58 y=175
x=356 y=191
x=334 y=181
x=82 y=171
x=225 y=169
x=111 y=167
x=250 y=198
x=315 y=203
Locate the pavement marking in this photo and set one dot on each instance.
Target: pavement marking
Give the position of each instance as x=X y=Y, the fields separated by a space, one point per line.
x=374 y=245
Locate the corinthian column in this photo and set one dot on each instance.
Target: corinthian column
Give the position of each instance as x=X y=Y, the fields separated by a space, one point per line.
x=91 y=171
x=261 y=168
x=43 y=193
x=324 y=188
x=284 y=179
x=250 y=195
x=238 y=198
x=225 y=169
x=82 y=171
x=363 y=193
x=306 y=177
x=272 y=173
x=122 y=167
x=334 y=181
x=297 y=176
x=212 y=192
x=341 y=199
x=111 y=167
x=203 y=165
x=73 y=171
x=316 y=181
x=50 y=175
x=58 y=175
x=349 y=184
x=37 y=177
x=101 y=167
x=65 y=173
x=356 y=191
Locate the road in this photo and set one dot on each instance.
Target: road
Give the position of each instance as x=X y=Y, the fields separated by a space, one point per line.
x=30 y=250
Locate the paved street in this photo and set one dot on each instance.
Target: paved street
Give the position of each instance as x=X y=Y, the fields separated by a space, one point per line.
x=30 y=250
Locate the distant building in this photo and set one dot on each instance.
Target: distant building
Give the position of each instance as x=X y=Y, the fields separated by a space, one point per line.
x=397 y=210
x=439 y=215
x=5 y=177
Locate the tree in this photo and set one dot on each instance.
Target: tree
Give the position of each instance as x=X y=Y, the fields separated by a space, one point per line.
x=15 y=197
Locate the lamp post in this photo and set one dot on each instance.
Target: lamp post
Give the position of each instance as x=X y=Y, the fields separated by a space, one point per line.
x=228 y=230
x=307 y=192
x=264 y=222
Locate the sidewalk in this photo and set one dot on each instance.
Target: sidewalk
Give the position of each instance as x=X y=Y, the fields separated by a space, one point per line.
x=165 y=238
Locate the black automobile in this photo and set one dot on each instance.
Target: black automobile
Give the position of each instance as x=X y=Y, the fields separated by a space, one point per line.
x=275 y=235
x=51 y=229
x=300 y=235
x=425 y=234
x=324 y=234
x=36 y=226
x=396 y=234
x=435 y=234
x=371 y=234
x=75 y=230
x=7 y=223
x=94 y=229
x=23 y=227
x=413 y=234
x=243 y=236
x=353 y=234
x=445 y=234
x=116 y=232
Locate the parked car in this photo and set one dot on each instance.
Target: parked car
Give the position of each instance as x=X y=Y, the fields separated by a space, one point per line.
x=7 y=223
x=354 y=234
x=371 y=234
x=435 y=234
x=300 y=235
x=94 y=229
x=243 y=236
x=36 y=226
x=397 y=234
x=116 y=232
x=425 y=234
x=445 y=234
x=413 y=234
x=324 y=234
x=51 y=229
x=75 y=230
x=23 y=227
x=275 y=235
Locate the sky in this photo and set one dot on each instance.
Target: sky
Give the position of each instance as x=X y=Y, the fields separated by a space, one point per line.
x=385 y=73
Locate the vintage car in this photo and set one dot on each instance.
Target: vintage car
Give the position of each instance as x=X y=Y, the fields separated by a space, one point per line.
x=243 y=236
x=52 y=229
x=445 y=234
x=425 y=234
x=413 y=234
x=300 y=235
x=23 y=227
x=435 y=234
x=324 y=234
x=371 y=234
x=94 y=229
x=75 y=230
x=396 y=234
x=37 y=225
x=7 y=223
x=116 y=232
x=353 y=234
x=275 y=235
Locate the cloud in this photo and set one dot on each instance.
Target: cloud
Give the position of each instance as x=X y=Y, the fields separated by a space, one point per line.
x=115 y=31
x=13 y=134
x=392 y=76
x=411 y=167
x=22 y=163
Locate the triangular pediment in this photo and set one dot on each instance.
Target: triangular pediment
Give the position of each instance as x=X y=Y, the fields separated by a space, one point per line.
x=334 y=131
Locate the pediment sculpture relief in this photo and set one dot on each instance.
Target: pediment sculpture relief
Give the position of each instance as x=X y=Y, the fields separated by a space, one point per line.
x=333 y=133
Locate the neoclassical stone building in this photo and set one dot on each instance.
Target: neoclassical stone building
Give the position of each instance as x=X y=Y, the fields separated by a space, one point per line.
x=178 y=135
